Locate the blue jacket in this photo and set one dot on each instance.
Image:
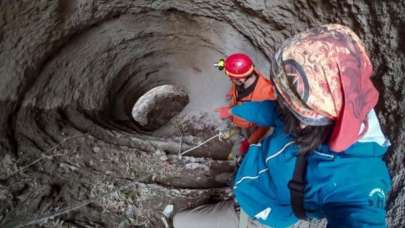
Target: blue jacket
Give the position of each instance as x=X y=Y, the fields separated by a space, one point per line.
x=350 y=188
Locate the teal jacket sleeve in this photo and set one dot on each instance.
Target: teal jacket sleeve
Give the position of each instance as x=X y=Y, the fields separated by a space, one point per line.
x=355 y=216
x=262 y=113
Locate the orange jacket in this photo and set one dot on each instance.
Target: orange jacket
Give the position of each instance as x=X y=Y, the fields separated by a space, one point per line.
x=264 y=90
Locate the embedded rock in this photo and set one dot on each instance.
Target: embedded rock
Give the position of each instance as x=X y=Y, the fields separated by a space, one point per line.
x=157 y=106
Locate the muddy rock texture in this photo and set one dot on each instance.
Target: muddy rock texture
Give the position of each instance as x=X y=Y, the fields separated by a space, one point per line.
x=71 y=71
x=158 y=106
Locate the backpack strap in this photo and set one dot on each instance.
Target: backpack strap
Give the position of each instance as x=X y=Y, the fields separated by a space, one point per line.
x=297 y=187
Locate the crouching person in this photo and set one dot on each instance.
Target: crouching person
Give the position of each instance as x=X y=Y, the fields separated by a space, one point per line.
x=324 y=158
x=247 y=85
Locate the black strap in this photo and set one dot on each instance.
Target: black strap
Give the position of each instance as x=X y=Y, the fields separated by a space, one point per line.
x=244 y=92
x=297 y=187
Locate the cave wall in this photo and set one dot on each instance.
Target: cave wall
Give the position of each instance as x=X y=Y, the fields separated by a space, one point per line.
x=65 y=65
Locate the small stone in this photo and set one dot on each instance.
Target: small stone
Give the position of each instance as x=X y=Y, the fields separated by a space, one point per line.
x=168 y=211
x=96 y=149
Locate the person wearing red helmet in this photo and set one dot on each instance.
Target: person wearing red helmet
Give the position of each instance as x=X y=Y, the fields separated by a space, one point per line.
x=247 y=85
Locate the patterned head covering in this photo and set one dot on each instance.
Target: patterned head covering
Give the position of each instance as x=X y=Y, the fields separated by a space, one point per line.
x=323 y=76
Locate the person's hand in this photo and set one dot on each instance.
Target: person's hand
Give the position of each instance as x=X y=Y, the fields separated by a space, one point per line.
x=224 y=112
x=244 y=147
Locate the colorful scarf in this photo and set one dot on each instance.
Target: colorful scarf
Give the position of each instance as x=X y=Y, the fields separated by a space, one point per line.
x=323 y=76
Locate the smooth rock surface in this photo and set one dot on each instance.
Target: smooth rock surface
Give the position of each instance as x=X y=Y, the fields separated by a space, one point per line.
x=157 y=106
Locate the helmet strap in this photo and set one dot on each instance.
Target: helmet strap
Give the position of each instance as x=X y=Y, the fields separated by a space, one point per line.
x=243 y=91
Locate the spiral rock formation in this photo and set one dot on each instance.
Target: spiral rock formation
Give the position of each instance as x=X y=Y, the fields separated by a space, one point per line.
x=72 y=70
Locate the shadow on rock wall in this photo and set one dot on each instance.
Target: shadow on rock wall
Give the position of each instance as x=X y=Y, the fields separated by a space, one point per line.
x=72 y=70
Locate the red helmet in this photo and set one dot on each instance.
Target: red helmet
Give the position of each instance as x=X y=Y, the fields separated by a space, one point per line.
x=238 y=65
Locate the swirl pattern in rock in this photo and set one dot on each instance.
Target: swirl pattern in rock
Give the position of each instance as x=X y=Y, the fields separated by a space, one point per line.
x=73 y=69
